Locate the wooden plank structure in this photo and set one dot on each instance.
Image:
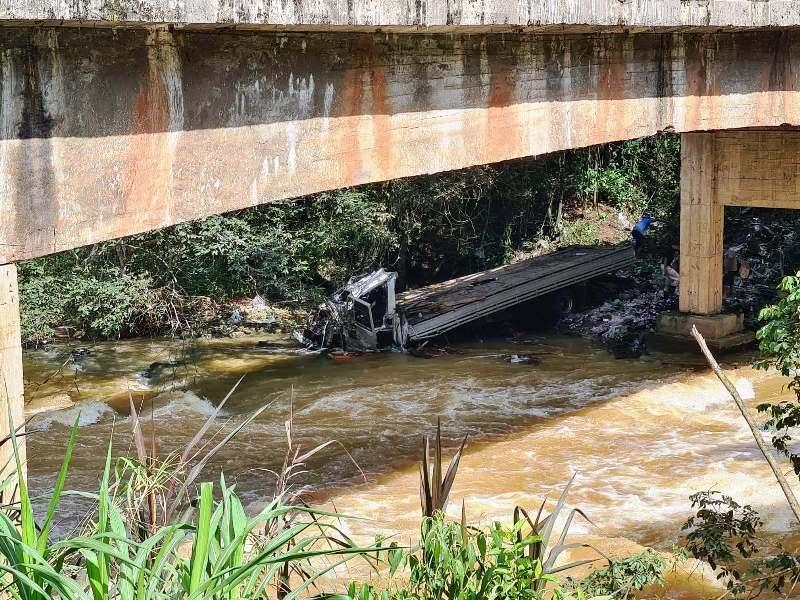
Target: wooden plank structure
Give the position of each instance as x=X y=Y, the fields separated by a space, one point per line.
x=436 y=309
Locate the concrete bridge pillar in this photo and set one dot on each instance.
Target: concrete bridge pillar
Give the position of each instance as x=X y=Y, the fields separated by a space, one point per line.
x=11 y=383
x=757 y=168
x=702 y=220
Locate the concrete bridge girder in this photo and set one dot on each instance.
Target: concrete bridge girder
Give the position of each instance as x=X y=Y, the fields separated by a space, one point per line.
x=130 y=130
x=449 y=15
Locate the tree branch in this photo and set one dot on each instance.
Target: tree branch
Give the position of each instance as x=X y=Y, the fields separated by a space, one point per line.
x=787 y=491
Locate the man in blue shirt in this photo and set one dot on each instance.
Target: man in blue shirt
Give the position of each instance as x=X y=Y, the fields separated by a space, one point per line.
x=640 y=229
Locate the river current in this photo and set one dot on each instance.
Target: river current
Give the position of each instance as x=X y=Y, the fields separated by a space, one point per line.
x=642 y=435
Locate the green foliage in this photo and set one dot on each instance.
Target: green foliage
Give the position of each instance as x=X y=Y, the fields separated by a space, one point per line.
x=435 y=483
x=637 y=176
x=779 y=345
x=725 y=534
x=178 y=280
x=624 y=577
x=580 y=233
x=779 y=338
x=175 y=279
x=104 y=303
x=719 y=525
x=461 y=563
x=456 y=562
x=351 y=232
x=231 y=555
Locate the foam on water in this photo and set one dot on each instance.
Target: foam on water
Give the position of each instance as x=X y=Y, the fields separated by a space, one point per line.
x=459 y=399
x=745 y=388
x=174 y=404
x=177 y=404
x=641 y=447
x=88 y=413
x=642 y=435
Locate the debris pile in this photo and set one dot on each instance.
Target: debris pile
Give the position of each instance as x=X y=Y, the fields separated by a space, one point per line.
x=770 y=242
x=619 y=323
x=760 y=248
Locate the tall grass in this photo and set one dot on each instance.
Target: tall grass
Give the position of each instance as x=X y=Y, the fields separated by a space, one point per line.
x=156 y=534
x=435 y=483
x=159 y=533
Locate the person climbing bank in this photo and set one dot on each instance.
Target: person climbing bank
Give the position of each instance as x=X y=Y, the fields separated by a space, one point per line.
x=640 y=229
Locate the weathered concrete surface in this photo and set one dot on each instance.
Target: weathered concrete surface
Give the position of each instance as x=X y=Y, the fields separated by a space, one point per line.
x=12 y=406
x=722 y=332
x=416 y=13
x=757 y=168
x=702 y=222
x=728 y=168
x=106 y=133
x=670 y=343
x=710 y=326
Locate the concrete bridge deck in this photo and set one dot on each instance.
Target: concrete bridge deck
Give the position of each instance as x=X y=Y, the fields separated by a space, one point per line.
x=110 y=132
x=410 y=15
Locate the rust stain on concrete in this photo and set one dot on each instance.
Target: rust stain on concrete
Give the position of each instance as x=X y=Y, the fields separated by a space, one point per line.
x=505 y=133
x=403 y=105
x=382 y=123
x=38 y=224
x=700 y=84
x=665 y=114
x=146 y=174
x=777 y=77
x=347 y=141
x=365 y=99
x=611 y=86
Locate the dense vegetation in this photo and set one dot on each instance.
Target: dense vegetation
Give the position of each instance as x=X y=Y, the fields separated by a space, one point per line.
x=429 y=228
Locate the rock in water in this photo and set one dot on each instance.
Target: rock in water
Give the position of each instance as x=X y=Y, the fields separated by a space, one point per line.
x=630 y=345
x=522 y=359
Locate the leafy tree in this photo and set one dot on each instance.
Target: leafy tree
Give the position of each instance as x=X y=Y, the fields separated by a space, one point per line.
x=638 y=176
x=726 y=535
x=779 y=345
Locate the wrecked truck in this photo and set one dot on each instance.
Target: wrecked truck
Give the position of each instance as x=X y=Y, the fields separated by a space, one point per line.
x=366 y=314
x=358 y=316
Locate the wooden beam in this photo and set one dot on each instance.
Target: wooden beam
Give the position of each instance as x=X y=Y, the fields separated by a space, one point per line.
x=11 y=383
x=701 y=227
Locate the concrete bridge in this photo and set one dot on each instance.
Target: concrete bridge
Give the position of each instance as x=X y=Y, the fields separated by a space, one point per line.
x=122 y=116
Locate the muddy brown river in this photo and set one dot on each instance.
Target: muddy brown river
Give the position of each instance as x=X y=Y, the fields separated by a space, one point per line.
x=641 y=434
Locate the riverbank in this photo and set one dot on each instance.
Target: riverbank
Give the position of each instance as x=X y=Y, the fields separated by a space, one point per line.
x=616 y=310
x=193 y=279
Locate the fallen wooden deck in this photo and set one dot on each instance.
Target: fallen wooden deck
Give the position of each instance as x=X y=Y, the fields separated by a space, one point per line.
x=433 y=310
